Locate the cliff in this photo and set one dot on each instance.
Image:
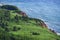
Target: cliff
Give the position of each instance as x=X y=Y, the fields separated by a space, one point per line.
x=16 y=25
x=41 y=23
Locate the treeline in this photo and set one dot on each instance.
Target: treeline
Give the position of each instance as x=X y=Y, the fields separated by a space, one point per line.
x=9 y=7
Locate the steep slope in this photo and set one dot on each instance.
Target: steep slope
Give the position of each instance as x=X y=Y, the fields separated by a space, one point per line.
x=15 y=25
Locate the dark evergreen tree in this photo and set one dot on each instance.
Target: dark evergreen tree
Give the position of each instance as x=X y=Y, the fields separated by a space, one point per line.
x=9 y=7
x=19 y=28
x=3 y=25
x=7 y=29
x=16 y=18
x=35 y=33
x=14 y=28
x=6 y=24
x=25 y=18
x=7 y=15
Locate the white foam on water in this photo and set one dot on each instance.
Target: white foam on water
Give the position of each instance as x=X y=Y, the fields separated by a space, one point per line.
x=1 y=4
x=58 y=33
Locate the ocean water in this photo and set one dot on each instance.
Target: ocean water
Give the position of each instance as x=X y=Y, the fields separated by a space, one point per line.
x=49 y=12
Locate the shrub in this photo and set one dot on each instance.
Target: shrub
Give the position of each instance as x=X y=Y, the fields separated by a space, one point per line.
x=35 y=33
x=16 y=28
x=16 y=18
x=7 y=29
x=19 y=28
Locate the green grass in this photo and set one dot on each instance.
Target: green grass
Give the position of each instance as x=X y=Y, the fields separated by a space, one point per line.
x=27 y=29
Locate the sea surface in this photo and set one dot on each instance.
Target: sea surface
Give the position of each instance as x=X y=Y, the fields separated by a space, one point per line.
x=49 y=12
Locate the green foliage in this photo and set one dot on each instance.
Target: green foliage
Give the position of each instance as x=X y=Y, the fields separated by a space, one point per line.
x=4 y=15
x=35 y=33
x=4 y=35
x=9 y=7
x=25 y=18
x=14 y=26
x=16 y=18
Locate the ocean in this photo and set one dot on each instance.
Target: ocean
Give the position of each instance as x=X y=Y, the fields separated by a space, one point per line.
x=49 y=12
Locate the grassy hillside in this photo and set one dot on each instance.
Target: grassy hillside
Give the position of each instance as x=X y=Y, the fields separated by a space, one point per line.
x=14 y=26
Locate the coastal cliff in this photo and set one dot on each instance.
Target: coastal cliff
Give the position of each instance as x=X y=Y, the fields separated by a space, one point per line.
x=16 y=25
x=38 y=21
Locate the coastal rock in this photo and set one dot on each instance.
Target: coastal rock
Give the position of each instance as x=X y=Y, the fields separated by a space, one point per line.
x=52 y=31
x=22 y=13
x=43 y=25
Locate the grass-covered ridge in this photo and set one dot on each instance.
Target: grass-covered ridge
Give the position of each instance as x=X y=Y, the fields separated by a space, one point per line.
x=15 y=25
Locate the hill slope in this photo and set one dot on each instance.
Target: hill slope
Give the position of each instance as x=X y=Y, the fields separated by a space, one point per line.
x=17 y=26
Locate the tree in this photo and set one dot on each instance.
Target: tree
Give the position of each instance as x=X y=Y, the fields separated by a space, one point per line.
x=7 y=29
x=4 y=35
x=3 y=25
x=16 y=18
x=7 y=15
x=35 y=33
x=6 y=23
x=25 y=18
x=0 y=18
x=9 y=7
x=4 y=15
x=14 y=28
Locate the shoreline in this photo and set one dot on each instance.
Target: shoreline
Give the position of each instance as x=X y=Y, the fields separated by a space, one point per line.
x=58 y=34
x=43 y=23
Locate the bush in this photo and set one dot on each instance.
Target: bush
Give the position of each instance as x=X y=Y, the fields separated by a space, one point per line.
x=35 y=33
x=4 y=35
x=19 y=28
x=7 y=29
x=16 y=18
x=16 y=28
x=25 y=18
x=4 y=15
